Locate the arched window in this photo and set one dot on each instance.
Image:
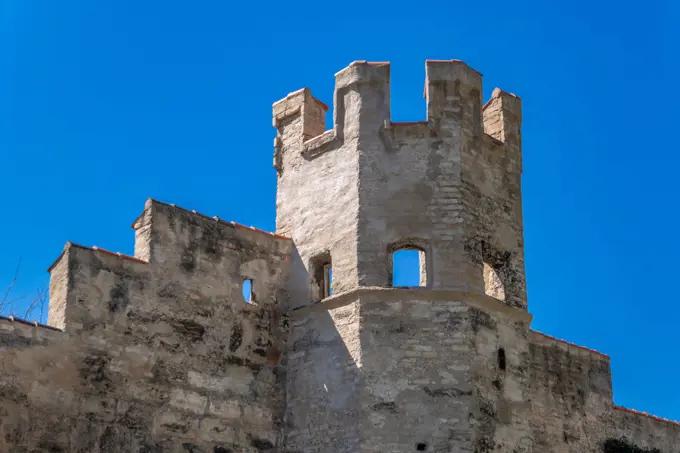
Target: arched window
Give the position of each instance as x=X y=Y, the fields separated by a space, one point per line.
x=408 y=264
x=495 y=267
x=247 y=290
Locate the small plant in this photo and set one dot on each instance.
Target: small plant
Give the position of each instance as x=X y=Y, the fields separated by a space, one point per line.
x=30 y=307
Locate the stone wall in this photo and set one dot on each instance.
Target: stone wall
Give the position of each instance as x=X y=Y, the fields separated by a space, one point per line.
x=324 y=358
x=387 y=369
x=380 y=369
x=416 y=359
x=316 y=197
x=157 y=356
x=643 y=430
x=549 y=395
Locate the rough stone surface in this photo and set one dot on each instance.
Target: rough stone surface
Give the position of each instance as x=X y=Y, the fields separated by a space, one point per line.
x=161 y=353
x=163 y=356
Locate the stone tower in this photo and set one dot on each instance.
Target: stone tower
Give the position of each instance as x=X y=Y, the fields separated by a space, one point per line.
x=452 y=365
x=160 y=353
x=376 y=368
x=448 y=186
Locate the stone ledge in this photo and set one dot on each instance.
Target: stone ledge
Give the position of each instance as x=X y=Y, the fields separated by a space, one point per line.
x=477 y=300
x=541 y=338
x=645 y=414
x=11 y=319
x=233 y=224
x=95 y=249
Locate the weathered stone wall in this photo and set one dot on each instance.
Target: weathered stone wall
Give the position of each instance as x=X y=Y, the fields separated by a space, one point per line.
x=324 y=357
x=386 y=369
x=316 y=197
x=416 y=358
x=163 y=356
x=642 y=430
x=397 y=369
x=16 y=333
x=491 y=190
x=551 y=396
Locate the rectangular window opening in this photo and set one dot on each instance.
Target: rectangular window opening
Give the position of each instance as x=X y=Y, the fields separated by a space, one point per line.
x=409 y=267
x=493 y=282
x=321 y=276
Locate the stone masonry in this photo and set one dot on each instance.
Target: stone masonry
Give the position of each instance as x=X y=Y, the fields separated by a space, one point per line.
x=159 y=353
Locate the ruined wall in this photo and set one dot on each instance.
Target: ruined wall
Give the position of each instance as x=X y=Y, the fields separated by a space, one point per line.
x=163 y=356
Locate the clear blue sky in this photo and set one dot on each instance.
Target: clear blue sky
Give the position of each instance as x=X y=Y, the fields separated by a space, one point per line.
x=103 y=104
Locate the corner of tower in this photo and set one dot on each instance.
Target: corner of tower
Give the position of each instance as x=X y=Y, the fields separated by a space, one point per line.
x=453 y=91
x=502 y=116
x=300 y=118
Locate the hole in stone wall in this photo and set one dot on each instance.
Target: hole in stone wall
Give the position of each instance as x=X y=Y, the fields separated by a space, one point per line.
x=247 y=291
x=501 y=359
x=408 y=267
x=493 y=282
x=421 y=446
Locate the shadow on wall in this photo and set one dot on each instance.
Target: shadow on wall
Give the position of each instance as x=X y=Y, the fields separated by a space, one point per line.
x=323 y=388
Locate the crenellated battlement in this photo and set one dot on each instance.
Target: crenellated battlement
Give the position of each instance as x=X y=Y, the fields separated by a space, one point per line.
x=450 y=183
x=361 y=104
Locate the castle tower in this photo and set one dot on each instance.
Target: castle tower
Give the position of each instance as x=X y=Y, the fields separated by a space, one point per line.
x=374 y=368
x=216 y=337
x=448 y=186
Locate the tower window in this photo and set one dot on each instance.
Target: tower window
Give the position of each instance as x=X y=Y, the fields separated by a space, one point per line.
x=322 y=276
x=407 y=265
x=421 y=446
x=501 y=359
x=493 y=281
x=247 y=291
x=495 y=272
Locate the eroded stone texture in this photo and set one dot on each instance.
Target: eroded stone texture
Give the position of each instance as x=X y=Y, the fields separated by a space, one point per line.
x=160 y=353
x=162 y=356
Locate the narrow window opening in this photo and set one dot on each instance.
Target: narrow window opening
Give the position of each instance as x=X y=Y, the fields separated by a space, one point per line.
x=421 y=446
x=247 y=291
x=327 y=280
x=408 y=267
x=322 y=276
x=493 y=281
x=501 y=359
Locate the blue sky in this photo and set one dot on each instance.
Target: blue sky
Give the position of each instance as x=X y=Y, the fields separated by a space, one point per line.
x=103 y=104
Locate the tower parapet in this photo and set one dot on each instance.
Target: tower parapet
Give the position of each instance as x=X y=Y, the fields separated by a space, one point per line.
x=448 y=186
